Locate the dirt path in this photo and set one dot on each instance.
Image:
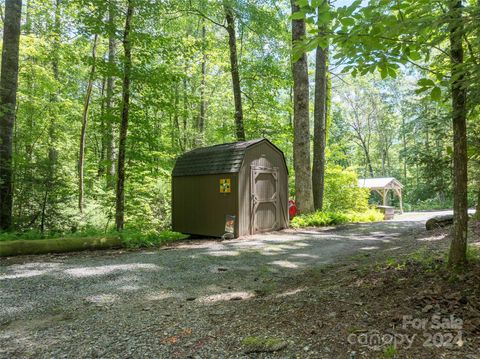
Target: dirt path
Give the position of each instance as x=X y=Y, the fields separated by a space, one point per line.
x=182 y=301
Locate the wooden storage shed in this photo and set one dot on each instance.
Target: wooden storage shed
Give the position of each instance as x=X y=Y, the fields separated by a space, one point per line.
x=239 y=188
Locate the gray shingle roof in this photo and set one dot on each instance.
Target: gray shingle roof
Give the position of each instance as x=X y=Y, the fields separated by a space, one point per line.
x=224 y=158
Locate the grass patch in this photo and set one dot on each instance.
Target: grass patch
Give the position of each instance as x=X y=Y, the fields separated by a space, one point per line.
x=322 y=219
x=390 y=352
x=424 y=258
x=137 y=239
x=473 y=253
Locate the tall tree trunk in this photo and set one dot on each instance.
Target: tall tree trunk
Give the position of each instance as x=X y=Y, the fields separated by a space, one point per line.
x=176 y=116
x=83 y=133
x=301 y=122
x=237 y=93
x=52 y=150
x=320 y=125
x=201 y=115
x=184 y=137
x=369 y=164
x=458 y=247
x=28 y=17
x=404 y=142
x=120 y=200
x=384 y=163
x=8 y=103
x=110 y=128
x=103 y=143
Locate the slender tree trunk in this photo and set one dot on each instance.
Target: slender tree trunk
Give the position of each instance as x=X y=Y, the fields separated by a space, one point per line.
x=111 y=151
x=404 y=140
x=301 y=141
x=366 y=151
x=8 y=103
x=384 y=163
x=477 y=209
x=202 y=112
x=52 y=130
x=120 y=200
x=185 y=112
x=320 y=126
x=28 y=18
x=177 y=132
x=237 y=93
x=83 y=133
x=369 y=161
x=458 y=247
x=103 y=145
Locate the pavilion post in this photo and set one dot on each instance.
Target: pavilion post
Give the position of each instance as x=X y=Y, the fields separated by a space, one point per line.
x=399 y=194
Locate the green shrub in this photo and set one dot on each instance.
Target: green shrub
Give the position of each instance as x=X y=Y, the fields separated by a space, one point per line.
x=370 y=215
x=344 y=202
x=322 y=219
x=473 y=253
x=342 y=192
x=431 y=204
x=137 y=239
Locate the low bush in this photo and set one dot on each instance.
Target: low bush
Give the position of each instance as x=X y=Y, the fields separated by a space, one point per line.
x=136 y=239
x=342 y=193
x=322 y=219
x=429 y=205
x=473 y=253
x=370 y=215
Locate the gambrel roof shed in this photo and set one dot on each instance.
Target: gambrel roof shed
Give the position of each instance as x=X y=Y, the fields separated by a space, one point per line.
x=240 y=183
x=224 y=158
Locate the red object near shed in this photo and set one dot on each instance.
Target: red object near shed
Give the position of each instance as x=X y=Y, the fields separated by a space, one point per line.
x=292 y=208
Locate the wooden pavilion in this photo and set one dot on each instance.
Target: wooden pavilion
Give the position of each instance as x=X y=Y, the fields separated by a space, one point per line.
x=383 y=186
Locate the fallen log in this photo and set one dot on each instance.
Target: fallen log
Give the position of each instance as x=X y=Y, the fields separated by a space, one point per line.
x=439 y=222
x=58 y=245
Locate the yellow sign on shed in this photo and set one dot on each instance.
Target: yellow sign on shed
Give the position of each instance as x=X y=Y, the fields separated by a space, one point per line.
x=225 y=185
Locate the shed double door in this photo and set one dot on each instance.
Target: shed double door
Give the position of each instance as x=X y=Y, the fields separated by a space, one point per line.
x=264 y=199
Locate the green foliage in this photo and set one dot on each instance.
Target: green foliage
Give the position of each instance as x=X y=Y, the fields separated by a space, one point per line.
x=390 y=352
x=473 y=253
x=137 y=239
x=388 y=101
x=342 y=192
x=430 y=204
x=322 y=219
x=167 y=49
x=344 y=202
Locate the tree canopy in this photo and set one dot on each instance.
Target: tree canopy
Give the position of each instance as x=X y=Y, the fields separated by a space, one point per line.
x=110 y=93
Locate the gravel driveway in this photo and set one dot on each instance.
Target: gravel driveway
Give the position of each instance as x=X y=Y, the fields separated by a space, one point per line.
x=176 y=302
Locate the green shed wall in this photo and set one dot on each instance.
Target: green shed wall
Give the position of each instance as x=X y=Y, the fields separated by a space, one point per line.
x=199 y=208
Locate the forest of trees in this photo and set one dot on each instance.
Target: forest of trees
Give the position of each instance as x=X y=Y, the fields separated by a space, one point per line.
x=110 y=93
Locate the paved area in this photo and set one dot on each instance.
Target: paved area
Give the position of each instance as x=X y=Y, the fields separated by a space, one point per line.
x=97 y=304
